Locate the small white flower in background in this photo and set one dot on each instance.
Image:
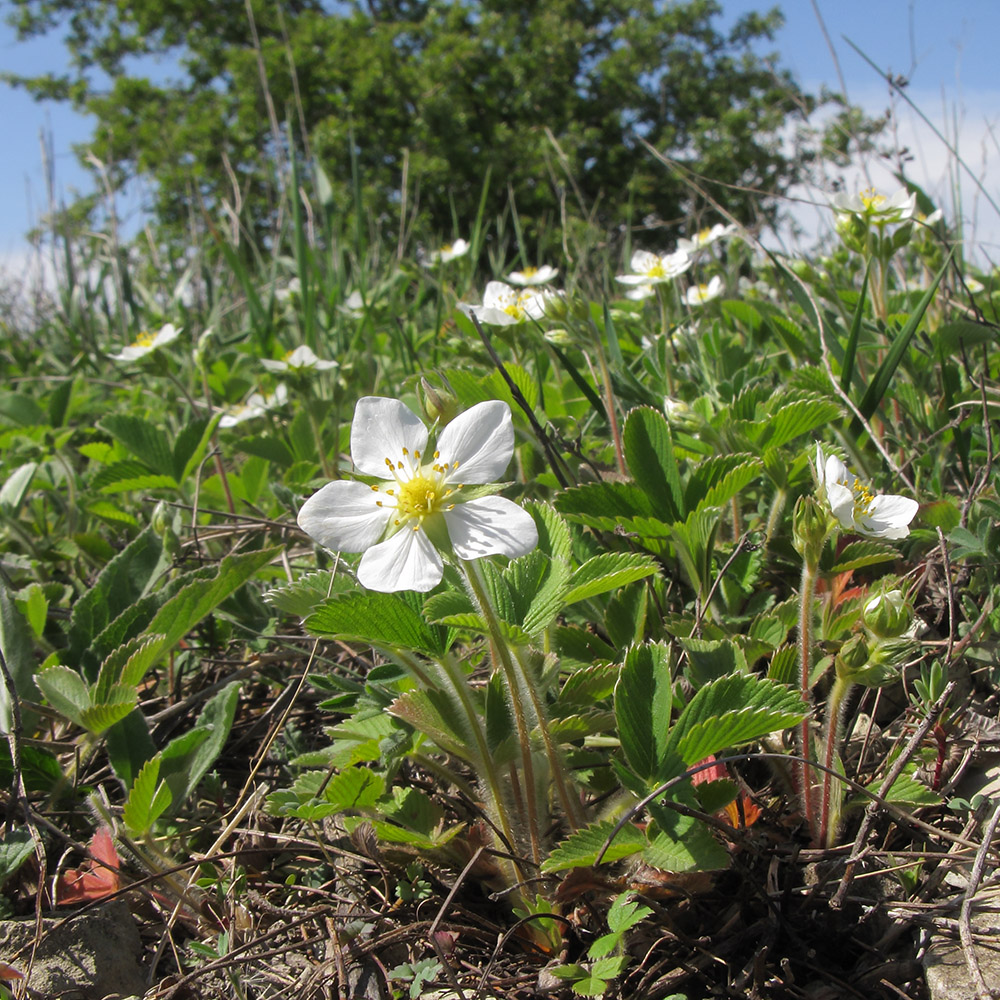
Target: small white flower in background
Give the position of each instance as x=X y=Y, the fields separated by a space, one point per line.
x=698 y=295
x=854 y=504
x=640 y=292
x=300 y=360
x=505 y=306
x=450 y=251
x=929 y=220
x=146 y=343
x=256 y=406
x=876 y=207
x=706 y=237
x=533 y=275
x=353 y=305
x=974 y=285
x=397 y=522
x=294 y=287
x=653 y=269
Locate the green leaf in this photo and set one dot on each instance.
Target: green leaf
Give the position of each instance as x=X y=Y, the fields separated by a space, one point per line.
x=649 y=453
x=850 y=349
x=16 y=846
x=581 y=848
x=795 y=419
x=732 y=711
x=964 y=331
x=384 y=620
x=187 y=759
x=553 y=531
x=144 y=440
x=625 y=913
x=604 y=505
x=39 y=769
x=880 y=382
x=539 y=582
x=686 y=845
x=856 y=555
x=439 y=718
x=100 y=717
x=123 y=477
x=731 y=473
x=66 y=691
x=609 y=571
x=710 y=659
x=17 y=647
x=356 y=788
x=191 y=445
x=21 y=409
x=16 y=486
x=147 y=799
x=643 y=703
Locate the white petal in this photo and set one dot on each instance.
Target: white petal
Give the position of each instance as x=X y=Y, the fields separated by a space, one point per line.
x=481 y=440
x=643 y=261
x=841 y=501
x=382 y=428
x=490 y=526
x=488 y=315
x=274 y=366
x=343 y=516
x=406 y=561
x=889 y=517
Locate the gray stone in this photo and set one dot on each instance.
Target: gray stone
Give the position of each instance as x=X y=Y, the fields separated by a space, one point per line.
x=89 y=957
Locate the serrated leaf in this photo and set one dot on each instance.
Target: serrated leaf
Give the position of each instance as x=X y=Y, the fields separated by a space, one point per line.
x=686 y=846
x=604 y=501
x=101 y=717
x=147 y=799
x=581 y=848
x=909 y=790
x=144 y=440
x=649 y=454
x=356 y=788
x=437 y=717
x=127 y=665
x=384 y=620
x=710 y=659
x=856 y=555
x=589 y=685
x=609 y=571
x=643 y=703
x=17 y=647
x=732 y=711
x=625 y=913
x=553 y=531
x=66 y=691
x=540 y=583
x=125 y=476
x=795 y=419
x=965 y=331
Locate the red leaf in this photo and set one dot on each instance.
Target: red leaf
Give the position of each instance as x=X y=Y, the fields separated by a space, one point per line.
x=7 y=973
x=97 y=878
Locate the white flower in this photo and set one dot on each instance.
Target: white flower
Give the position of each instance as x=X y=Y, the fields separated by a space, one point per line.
x=652 y=269
x=256 y=406
x=146 y=343
x=448 y=252
x=855 y=505
x=640 y=292
x=698 y=295
x=293 y=288
x=533 y=275
x=353 y=305
x=397 y=522
x=877 y=207
x=706 y=237
x=974 y=285
x=505 y=306
x=300 y=360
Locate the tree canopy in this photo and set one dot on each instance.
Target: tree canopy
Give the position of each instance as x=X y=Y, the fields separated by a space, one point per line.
x=554 y=100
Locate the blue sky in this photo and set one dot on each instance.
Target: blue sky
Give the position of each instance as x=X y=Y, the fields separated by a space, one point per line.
x=946 y=48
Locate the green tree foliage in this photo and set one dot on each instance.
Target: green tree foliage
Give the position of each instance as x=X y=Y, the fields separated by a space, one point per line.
x=553 y=99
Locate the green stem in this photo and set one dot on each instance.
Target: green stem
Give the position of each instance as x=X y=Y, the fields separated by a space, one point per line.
x=501 y=653
x=777 y=509
x=609 y=402
x=834 y=710
x=807 y=592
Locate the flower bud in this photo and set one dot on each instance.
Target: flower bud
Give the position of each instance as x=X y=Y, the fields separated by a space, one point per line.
x=888 y=616
x=852 y=659
x=901 y=237
x=853 y=231
x=439 y=405
x=200 y=352
x=810 y=527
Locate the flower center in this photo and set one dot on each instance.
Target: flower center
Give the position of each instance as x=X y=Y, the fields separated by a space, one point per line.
x=530 y=272
x=656 y=271
x=419 y=491
x=863 y=497
x=872 y=200
x=704 y=234
x=145 y=339
x=447 y=248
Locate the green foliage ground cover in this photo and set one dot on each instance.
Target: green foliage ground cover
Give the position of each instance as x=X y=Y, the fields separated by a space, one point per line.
x=750 y=500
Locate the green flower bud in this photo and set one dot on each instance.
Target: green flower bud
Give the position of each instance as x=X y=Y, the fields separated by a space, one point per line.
x=900 y=237
x=852 y=658
x=885 y=660
x=810 y=528
x=888 y=616
x=439 y=405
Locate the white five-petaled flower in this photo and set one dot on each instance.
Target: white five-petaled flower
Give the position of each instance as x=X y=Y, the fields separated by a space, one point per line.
x=256 y=406
x=854 y=504
x=876 y=207
x=505 y=306
x=653 y=269
x=706 y=237
x=353 y=305
x=450 y=251
x=698 y=295
x=419 y=499
x=531 y=276
x=300 y=360
x=146 y=343
x=293 y=288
